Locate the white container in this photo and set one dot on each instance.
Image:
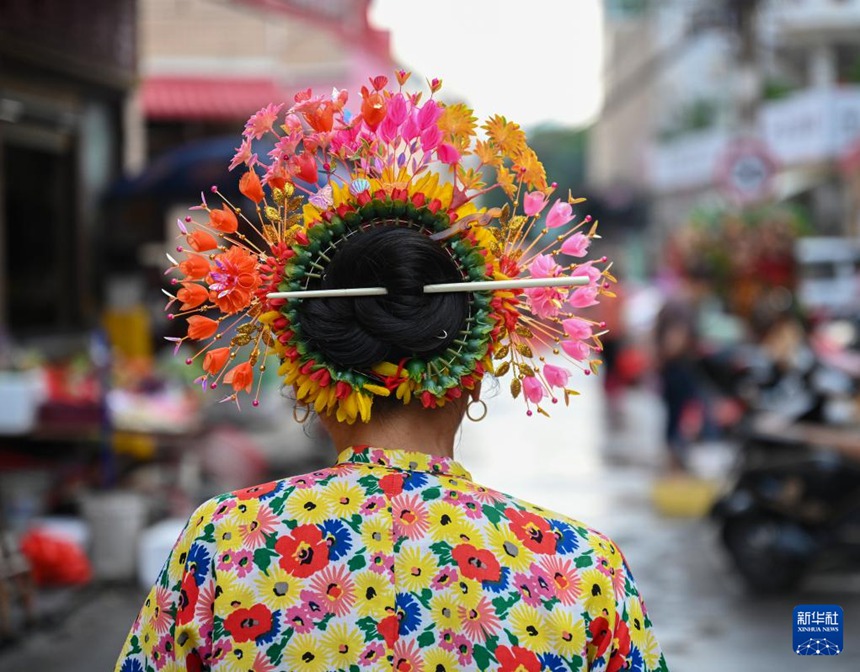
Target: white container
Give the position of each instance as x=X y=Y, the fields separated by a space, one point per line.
x=153 y=548
x=20 y=396
x=115 y=521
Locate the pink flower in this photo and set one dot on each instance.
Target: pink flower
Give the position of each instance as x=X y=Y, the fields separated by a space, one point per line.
x=447 y=154
x=372 y=654
x=243 y=154
x=410 y=129
x=559 y=214
x=555 y=375
x=428 y=114
x=430 y=138
x=533 y=389
x=533 y=203
x=300 y=619
x=543 y=266
x=576 y=245
x=261 y=121
x=397 y=111
x=577 y=329
x=586 y=269
x=583 y=297
x=576 y=349
x=545 y=301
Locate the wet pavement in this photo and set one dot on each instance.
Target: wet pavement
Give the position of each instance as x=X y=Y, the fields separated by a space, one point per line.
x=702 y=615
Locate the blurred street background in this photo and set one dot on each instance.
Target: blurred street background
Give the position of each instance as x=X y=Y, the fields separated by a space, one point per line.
x=718 y=144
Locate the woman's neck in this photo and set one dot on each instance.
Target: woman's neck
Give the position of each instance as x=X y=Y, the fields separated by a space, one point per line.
x=430 y=431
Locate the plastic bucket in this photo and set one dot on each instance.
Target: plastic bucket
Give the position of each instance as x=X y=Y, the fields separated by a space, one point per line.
x=115 y=520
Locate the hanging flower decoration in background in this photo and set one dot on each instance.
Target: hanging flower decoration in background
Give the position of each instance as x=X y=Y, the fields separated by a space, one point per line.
x=402 y=160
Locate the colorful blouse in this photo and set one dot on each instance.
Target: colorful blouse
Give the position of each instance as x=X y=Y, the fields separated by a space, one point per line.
x=389 y=560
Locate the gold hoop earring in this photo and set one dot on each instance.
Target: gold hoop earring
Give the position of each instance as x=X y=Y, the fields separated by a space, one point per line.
x=469 y=408
x=296 y=417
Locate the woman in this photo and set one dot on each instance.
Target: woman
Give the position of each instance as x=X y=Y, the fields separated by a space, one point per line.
x=393 y=558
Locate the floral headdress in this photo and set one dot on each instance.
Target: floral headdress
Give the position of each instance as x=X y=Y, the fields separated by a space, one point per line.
x=401 y=161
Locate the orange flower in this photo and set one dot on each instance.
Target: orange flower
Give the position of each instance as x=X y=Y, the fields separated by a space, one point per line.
x=200 y=328
x=195 y=267
x=224 y=220
x=202 y=241
x=250 y=186
x=241 y=377
x=192 y=295
x=372 y=108
x=215 y=360
x=305 y=167
x=321 y=118
x=234 y=279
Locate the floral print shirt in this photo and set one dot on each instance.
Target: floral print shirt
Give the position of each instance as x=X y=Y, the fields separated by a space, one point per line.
x=389 y=560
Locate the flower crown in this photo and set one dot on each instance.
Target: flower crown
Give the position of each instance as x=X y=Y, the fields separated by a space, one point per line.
x=397 y=161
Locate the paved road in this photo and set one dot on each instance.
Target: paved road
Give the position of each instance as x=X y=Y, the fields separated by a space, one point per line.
x=702 y=616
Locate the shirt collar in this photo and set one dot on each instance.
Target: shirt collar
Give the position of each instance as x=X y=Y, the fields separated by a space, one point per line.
x=406 y=460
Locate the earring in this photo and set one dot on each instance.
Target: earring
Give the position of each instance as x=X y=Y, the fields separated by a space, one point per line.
x=304 y=417
x=469 y=408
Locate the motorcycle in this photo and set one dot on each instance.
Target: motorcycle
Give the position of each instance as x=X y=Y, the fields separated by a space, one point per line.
x=793 y=506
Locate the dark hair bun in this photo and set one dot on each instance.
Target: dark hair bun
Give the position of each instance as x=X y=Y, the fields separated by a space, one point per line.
x=363 y=331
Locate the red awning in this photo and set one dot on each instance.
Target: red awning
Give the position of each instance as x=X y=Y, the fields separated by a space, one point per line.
x=216 y=98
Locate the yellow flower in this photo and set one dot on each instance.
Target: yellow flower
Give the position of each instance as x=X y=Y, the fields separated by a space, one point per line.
x=567 y=632
x=509 y=549
x=344 y=498
x=148 y=638
x=437 y=659
x=415 y=569
x=277 y=589
x=228 y=534
x=650 y=650
x=241 y=656
x=469 y=592
x=305 y=653
x=533 y=172
x=599 y=595
x=376 y=534
x=636 y=621
x=601 y=545
x=343 y=644
x=505 y=180
x=308 y=506
x=507 y=135
x=373 y=592
x=443 y=610
x=458 y=125
x=446 y=521
x=178 y=556
x=232 y=593
x=487 y=153
x=246 y=511
x=530 y=628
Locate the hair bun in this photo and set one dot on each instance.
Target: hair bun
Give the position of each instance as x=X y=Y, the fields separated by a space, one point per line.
x=363 y=331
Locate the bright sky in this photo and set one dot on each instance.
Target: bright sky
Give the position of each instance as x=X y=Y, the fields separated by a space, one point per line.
x=533 y=61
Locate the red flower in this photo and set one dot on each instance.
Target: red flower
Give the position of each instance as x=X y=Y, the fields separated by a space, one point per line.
x=224 y=220
x=389 y=628
x=241 y=377
x=303 y=552
x=373 y=108
x=192 y=295
x=215 y=360
x=234 y=279
x=304 y=166
x=517 y=659
x=247 y=624
x=600 y=637
x=195 y=267
x=256 y=491
x=200 y=328
x=620 y=648
x=392 y=485
x=480 y=565
x=532 y=530
x=250 y=186
x=202 y=241
x=188 y=594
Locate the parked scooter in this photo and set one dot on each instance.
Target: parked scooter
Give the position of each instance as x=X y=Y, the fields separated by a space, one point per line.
x=794 y=503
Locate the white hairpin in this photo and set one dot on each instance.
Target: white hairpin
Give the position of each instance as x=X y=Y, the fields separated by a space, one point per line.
x=443 y=288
